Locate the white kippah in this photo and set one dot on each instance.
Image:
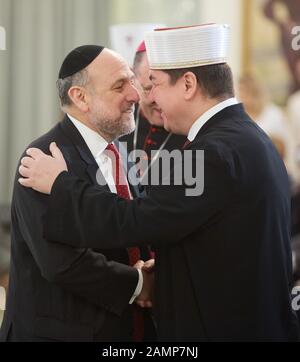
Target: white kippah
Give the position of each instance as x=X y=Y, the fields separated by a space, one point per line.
x=186 y=47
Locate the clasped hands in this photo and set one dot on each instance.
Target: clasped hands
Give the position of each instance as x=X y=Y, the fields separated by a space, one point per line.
x=145 y=298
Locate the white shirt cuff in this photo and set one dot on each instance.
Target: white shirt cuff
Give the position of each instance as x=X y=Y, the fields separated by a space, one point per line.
x=138 y=288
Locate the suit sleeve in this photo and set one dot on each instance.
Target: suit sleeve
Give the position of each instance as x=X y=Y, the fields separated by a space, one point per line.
x=79 y=213
x=81 y=271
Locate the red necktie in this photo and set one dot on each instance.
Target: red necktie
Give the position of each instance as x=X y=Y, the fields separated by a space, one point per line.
x=134 y=252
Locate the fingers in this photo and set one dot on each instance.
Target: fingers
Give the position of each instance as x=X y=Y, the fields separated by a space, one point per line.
x=147 y=304
x=27 y=161
x=24 y=171
x=145 y=298
x=149 y=265
x=35 y=153
x=139 y=264
x=25 y=182
x=144 y=304
x=140 y=301
x=146 y=266
x=56 y=152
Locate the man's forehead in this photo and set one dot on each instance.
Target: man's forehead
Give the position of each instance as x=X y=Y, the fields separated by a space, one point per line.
x=156 y=74
x=122 y=73
x=119 y=78
x=117 y=66
x=109 y=60
x=114 y=68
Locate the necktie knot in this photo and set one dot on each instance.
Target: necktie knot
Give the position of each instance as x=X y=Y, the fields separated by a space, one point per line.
x=112 y=148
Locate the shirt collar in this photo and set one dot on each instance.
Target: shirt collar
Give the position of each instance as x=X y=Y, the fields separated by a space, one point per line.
x=96 y=143
x=199 y=123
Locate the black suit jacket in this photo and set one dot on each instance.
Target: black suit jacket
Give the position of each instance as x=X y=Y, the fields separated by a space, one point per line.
x=223 y=259
x=57 y=292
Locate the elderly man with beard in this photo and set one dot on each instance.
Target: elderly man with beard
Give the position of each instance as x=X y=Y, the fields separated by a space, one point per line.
x=58 y=293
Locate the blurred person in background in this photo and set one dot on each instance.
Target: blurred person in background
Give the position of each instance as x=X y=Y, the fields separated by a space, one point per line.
x=266 y=114
x=149 y=134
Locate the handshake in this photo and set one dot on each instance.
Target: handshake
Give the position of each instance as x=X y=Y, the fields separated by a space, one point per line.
x=145 y=298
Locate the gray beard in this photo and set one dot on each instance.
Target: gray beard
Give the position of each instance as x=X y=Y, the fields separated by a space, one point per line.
x=111 y=133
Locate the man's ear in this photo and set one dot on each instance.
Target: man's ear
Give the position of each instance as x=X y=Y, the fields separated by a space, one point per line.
x=190 y=85
x=79 y=98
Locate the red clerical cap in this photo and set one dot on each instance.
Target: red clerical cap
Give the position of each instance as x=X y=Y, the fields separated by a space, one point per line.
x=141 y=48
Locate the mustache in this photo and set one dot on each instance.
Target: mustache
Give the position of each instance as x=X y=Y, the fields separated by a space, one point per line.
x=129 y=109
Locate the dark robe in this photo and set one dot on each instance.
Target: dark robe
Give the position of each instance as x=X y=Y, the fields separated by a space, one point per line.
x=223 y=258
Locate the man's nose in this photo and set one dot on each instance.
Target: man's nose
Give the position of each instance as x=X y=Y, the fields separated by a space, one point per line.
x=133 y=95
x=151 y=96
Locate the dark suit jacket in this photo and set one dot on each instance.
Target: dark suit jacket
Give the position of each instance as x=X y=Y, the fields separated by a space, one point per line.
x=57 y=292
x=223 y=259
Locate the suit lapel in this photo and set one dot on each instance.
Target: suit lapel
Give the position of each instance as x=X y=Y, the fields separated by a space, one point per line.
x=87 y=165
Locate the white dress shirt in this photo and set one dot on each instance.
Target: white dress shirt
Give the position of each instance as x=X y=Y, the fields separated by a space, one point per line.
x=97 y=145
x=200 y=122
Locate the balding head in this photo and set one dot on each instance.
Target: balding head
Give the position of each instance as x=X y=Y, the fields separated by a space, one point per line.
x=105 y=101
